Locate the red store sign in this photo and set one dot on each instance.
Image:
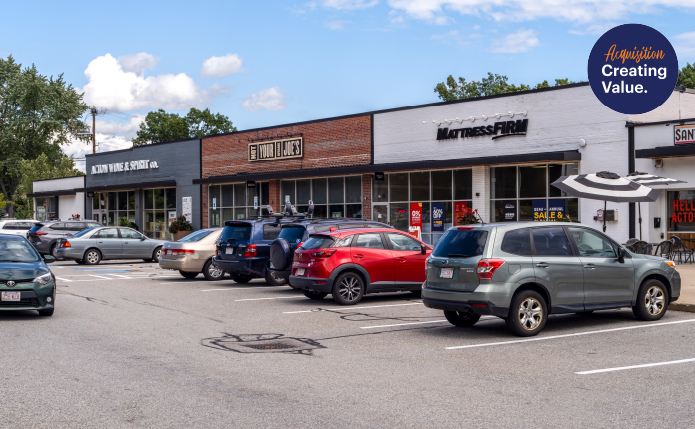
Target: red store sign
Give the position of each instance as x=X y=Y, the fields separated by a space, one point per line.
x=683 y=211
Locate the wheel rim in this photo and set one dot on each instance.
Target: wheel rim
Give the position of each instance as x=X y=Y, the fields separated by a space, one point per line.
x=157 y=253
x=92 y=257
x=214 y=271
x=349 y=288
x=530 y=314
x=654 y=300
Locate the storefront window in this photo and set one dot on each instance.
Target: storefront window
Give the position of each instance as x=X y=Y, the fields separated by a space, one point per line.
x=353 y=189
x=503 y=182
x=236 y=201
x=112 y=208
x=303 y=191
x=420 y=186
x=681 y=211
x=380 y=190
x=533 y=181
x=46 y=208
x=398 y=186
x=336 y=192
x=157 y=220
x=463 y=184
x=555 y=171
x=441 y=185
x=319 y=192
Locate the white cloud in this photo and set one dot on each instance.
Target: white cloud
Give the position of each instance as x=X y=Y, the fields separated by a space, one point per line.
x=127 y=130
x=349 y=4
x=221 y=66
x=685 y=46
x=514 y=43
x=336 y=25
x=576 y=11
x=111 y=87
x=137 y=63
x=270 y=99
x=78 y=149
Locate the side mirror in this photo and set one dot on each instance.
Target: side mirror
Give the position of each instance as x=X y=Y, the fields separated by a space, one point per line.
x=143 y=238
x=423 y=249
x=49 y=259
x=621 y=255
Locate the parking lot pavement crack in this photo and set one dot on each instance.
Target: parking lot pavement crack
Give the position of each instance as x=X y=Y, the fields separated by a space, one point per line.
x=171 y=309
x=88 y=298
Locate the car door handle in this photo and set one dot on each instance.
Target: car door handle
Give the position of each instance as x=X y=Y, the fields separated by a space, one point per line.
x=400 y=259
x=125 y=242
x=100 y=242
x=542 y=265
x=590 y=266
x=358 y=256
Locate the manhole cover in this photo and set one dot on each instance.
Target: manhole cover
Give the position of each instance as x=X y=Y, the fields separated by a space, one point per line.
x=262 y=343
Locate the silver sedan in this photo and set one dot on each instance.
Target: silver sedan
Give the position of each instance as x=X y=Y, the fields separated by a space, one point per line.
x=93 y=245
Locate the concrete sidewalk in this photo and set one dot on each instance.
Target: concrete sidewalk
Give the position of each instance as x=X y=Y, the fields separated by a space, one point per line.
x=686 y=302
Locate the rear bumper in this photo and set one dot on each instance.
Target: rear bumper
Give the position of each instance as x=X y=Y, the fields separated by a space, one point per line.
x=478 y=307
x=43 y=246
x=255 y=266
x=311 y=283
x=69 y=253
x=285 y=274
x=182 y=264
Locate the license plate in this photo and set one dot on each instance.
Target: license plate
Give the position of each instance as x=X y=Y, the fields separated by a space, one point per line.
x=11 y=296
x=447 y=273
x=229 y=251
x=300 y=271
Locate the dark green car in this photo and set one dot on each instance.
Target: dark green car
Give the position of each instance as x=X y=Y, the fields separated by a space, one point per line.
x=26 y=283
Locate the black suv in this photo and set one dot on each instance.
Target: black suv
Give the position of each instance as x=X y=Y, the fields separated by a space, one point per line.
x=295 y=233
x=45 y=235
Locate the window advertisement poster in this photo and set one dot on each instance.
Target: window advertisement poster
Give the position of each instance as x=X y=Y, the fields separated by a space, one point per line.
x=539 y=210
x=460 y=211
x=556 y=210
x=509 y=210
x=187 y=208
x=437 y=217
x=416 y=214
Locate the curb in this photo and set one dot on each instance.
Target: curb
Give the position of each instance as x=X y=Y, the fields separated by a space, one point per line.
x=681 y=306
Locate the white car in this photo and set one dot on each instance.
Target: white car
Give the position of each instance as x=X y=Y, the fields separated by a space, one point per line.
x=16 y=226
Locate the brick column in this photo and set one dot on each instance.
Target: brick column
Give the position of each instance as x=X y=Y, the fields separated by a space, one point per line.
x=367 y=196
x=275 y=200
x=481 y=185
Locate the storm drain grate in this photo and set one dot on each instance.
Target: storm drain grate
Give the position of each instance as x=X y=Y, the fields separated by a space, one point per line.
x=273 y=346
x=262 y=343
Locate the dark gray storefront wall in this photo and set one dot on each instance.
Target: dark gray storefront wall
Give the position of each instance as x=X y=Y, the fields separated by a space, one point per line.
x=179 y=163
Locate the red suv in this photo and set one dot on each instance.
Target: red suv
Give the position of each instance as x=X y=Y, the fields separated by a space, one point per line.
x=350 y=263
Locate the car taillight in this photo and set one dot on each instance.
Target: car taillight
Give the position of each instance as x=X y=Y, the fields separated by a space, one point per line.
x=181 y=251
x=66 y=244
x=464 y=227
x=250 y=252
x=486 y=267
x=300 y=244
x=38 y=233
x=323 y=253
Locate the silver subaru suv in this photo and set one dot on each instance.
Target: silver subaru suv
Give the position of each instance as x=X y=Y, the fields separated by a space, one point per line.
x=522 y=272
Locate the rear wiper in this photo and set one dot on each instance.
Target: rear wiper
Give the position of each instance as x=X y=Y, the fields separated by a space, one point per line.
x=456 y=255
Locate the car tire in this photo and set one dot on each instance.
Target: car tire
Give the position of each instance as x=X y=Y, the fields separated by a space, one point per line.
x=188 y=275
x=240 y=278
x=314 y=295
x=212 y=272
x=527 y=314
x=461 y=318
x=272 y=280
x=348 y=288
x=92 y=257
x=280 y=254
x=155 y=255
x=652 y=300
x=52 y=252
x=47 y=312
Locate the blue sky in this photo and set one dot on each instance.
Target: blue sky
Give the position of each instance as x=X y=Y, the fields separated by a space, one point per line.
x=272 y=62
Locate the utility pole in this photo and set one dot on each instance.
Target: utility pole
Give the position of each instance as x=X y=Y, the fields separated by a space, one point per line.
x=94 y=112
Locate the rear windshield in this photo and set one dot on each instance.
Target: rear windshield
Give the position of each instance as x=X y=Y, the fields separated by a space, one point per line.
x=36 y=227
x=196 y=236
x=292 y=234
x=17 y=251
x=242 y=232
x=83 y=233
x=461 y=244
x=318 y=242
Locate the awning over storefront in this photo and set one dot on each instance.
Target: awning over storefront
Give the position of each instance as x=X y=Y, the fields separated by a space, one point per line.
x=53 y=193
x=572 y=155
x=666 y=152
x=139 y=185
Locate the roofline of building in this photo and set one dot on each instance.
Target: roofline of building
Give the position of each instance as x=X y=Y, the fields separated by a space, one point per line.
x=144 y=145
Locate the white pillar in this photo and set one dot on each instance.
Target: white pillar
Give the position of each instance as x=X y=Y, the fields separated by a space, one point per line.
x=481 y=186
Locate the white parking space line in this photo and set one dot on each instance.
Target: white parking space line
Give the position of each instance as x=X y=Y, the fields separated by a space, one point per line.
x=64 y=280
x=552 y=337
x=100 y=277
x=243 y=288
x=646 y=365
x=277 y=297
x=348 y=308
x=414 y=323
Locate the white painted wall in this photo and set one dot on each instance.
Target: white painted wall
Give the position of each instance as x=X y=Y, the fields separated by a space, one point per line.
x=59 y=184
x=71 y=204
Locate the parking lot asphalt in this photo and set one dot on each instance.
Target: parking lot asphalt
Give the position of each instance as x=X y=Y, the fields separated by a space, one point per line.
x=131 y=345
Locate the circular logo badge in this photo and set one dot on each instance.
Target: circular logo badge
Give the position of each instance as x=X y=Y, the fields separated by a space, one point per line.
x=10 y=283
x=633 y=69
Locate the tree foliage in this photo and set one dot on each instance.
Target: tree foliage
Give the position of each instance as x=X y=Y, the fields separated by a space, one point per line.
x=493 y=84
x=686 y=76
x=160 y=126
x=38 y=114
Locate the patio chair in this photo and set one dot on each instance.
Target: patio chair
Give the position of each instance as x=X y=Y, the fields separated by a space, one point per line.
x=647 y=250
x=680 y=251
x=639 y=246
x=663 y=249
x=631 y=241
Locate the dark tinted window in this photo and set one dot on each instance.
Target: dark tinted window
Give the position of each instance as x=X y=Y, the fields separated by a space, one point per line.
x=17 y=250
x=371 y=241
x=197 y=236
x=271 y=231
x=318 y=242
x=57 y=226
x=517 y=242
x=551 y=242
x=36 y=227
x=241 y=232
x=461 y=243
x=83 y=233
x=75 y=226
x=9 y=225
x=292 y=234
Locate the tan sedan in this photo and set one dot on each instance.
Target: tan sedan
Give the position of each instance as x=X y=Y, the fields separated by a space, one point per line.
x=193 y=254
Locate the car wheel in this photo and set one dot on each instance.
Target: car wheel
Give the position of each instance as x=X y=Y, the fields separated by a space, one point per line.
x=652 y=301
x=527 y=314
x=212 y=272
x=274 y=279
x=53 y=250
x=348 y=289
x=92 y=257
x=156 y=254
x=46 y=312
x=314 y=295
x=461 y=318
x=188 y=275
x=239 y=278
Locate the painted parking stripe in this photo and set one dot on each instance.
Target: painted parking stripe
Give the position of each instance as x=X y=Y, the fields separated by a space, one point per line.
x=414 y=323
x=100 y=277
x=646 y=365
x=348 y=308
x=242 y=288
x=552 y=337
x=64 y=280
x=277 y=297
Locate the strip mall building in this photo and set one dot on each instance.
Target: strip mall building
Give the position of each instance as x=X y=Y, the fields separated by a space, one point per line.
x=419 y=166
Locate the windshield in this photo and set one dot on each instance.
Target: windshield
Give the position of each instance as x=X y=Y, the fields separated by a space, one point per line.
x=36 y=227
x=17 y=251
x=292 y=234
x=318 y=242
x=241 y=232
x=196 y=236
x=83 y=233
x=461 y=244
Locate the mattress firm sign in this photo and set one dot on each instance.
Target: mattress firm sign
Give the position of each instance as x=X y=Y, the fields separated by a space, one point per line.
x=279 y=149
x=497 y=130
x=119 y=167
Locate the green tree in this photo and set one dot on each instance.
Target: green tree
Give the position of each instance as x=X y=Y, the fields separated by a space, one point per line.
x=493 y=84
x=160 y=126
x=38 y=114
x=686 y=76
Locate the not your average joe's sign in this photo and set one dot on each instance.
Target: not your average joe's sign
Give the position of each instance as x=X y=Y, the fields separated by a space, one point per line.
x=118 y=167
x=497 y=130
x=279 y=149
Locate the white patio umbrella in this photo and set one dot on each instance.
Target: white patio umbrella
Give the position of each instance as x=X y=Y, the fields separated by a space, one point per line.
x=606 y=186
x=649 y=180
